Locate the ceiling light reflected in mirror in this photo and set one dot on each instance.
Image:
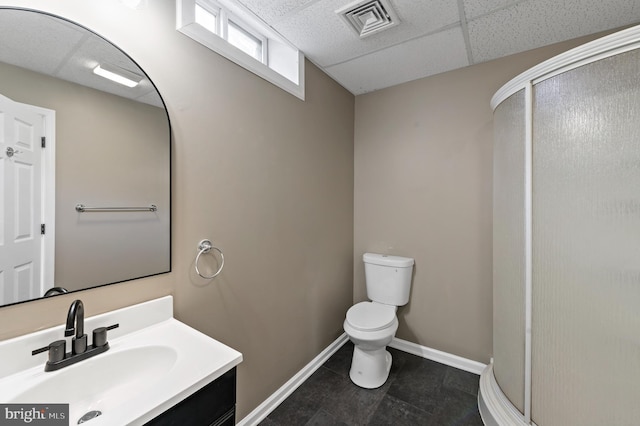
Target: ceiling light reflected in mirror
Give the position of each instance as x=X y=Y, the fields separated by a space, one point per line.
x=118 y=75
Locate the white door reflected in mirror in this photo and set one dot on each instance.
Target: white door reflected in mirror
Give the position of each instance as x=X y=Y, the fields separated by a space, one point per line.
x=25 y=259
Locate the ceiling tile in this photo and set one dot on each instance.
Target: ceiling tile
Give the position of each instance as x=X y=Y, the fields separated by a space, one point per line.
x=533 y=24
x=476 y=8
x=327 y=40
x=27 y=40
x=272 y=10
x=420 y=57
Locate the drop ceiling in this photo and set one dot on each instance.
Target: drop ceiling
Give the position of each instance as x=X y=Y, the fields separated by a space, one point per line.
x=433 y=36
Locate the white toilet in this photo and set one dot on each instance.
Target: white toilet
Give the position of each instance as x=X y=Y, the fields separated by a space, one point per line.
x=372 y=325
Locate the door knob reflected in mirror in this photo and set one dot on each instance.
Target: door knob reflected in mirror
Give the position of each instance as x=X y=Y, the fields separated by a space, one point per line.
x=11 y=152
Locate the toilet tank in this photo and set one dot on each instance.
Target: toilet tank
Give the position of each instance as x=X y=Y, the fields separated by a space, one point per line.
x=388 y=278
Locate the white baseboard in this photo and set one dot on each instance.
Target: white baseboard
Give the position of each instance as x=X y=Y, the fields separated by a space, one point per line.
x=271 y=403
x=445 y=358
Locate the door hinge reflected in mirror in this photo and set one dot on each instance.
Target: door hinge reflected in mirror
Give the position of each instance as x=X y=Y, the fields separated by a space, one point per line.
x=43 y=141
x=42 y=229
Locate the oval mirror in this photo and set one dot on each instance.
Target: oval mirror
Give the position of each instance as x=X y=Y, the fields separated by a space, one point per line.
x=84 y=161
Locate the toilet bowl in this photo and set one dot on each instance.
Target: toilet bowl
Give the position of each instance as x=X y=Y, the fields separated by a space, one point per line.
x=372 y=325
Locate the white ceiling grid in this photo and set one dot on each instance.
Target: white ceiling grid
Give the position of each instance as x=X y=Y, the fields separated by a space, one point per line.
x=434 y=35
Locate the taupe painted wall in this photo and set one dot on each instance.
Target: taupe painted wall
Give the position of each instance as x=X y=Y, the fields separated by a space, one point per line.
x=423 y=189
x=110 y=151
x=265 y=176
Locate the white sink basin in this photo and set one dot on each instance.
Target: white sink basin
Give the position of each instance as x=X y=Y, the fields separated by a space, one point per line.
x=145 y=371
x=103 y=382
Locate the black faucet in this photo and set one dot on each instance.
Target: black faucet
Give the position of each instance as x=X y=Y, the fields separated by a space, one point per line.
x=58 y=357
x=54 y=291
x=75 y=324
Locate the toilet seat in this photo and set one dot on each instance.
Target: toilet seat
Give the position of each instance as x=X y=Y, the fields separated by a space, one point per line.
x=371 y=316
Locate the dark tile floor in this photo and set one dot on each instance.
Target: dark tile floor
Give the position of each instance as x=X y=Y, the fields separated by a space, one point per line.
x=418 y=392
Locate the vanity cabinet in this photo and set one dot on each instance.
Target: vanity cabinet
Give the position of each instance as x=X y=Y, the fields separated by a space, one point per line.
x=213 y=405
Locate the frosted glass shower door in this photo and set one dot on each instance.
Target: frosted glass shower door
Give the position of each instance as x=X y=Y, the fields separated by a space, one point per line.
x=586 y=245
x=509 y=247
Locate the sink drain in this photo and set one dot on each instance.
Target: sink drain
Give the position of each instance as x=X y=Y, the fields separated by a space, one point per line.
x=90 y=415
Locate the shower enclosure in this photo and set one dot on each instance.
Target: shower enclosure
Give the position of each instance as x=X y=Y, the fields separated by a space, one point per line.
x=567 y=241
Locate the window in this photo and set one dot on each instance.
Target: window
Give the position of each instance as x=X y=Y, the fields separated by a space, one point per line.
x=234 y=32
x=216 y=20
x=245 y=41
x=207 y=18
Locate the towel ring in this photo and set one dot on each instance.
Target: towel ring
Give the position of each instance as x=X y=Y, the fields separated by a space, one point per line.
x=205 y=246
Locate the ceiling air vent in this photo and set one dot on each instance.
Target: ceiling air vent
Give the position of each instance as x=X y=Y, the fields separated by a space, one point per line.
x=369 y=16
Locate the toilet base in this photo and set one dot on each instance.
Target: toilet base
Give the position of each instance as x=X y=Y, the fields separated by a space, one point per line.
x=370 y=369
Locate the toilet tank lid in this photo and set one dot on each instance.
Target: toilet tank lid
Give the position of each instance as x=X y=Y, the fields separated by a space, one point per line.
x=387 y=260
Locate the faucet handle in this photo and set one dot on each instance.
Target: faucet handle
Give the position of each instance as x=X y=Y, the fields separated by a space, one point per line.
x=56 y=350
x=100 y=335
x=39 y=350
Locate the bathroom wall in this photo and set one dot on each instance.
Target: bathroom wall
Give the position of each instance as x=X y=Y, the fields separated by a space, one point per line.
x=267 y=177
x=423 y=189
x=96 y=131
